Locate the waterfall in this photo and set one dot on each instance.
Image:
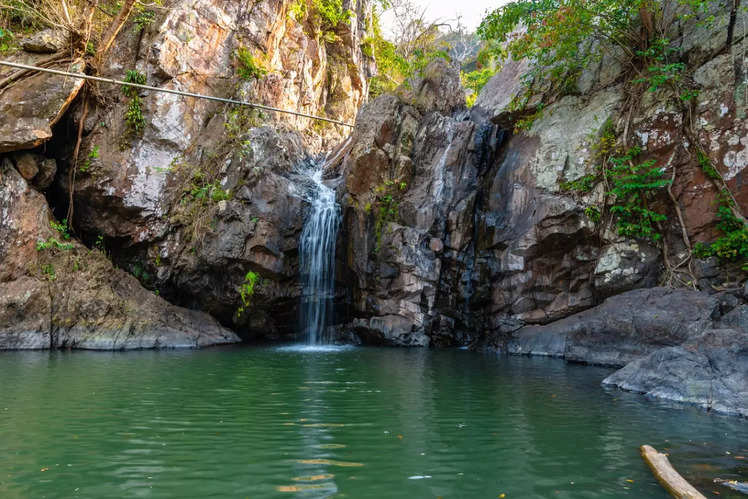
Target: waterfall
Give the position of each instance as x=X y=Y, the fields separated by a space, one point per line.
x=317 y=254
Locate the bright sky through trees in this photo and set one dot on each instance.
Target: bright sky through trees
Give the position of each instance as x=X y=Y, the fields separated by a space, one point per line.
x=472 y=11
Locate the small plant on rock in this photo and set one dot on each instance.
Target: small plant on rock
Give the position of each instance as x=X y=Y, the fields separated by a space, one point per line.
x=633 y=187
x=248 y=69
x=94 y=154
x=134 y=114
x=246 y=291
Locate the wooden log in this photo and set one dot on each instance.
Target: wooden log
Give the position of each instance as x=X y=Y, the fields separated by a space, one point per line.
x=666 y=474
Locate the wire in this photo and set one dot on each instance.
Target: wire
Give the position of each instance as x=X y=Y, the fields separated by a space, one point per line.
x=169 y=91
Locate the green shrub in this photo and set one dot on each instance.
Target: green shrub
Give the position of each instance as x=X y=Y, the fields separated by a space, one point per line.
x=248 y=69
x=246 y=291
x=143 y=19
x=733 y=245
x=49 y=270
x=593 y=213
x=322 y=16
x=475 y=81
x=560 y=38
x=584 y=184
x=660 y=71
x=633 y=186
x=53 y=243
x=92 y=155
x=134 y=113
x=7 y=41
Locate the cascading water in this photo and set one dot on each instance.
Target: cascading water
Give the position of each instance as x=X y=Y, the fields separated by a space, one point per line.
x=317 y=249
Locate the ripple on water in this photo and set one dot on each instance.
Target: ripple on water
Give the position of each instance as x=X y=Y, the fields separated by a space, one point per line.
x=302 y=348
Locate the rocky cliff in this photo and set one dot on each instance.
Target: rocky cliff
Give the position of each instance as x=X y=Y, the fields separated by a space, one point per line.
x=458 y=227
x=190 y=195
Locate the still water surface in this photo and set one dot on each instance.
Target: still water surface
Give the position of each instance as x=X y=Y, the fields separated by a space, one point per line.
x=357 y=423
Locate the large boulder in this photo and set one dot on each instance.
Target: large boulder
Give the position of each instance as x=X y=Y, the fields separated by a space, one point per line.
x=31 y=106
x=709 y=370
x=55 y=293
x=624 y=328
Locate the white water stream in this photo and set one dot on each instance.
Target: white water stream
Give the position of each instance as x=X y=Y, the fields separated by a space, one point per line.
x=317 y=255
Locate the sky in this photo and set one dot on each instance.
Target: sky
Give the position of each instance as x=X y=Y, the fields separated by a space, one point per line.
x=472 y=11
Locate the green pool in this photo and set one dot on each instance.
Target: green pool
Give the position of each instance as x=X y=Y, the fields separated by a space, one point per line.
x=357 y=423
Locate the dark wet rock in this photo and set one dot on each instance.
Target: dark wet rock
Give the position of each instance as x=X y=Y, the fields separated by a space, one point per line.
x=67 y=296
x=710 y=370
x=390 y=330
x=736 y=319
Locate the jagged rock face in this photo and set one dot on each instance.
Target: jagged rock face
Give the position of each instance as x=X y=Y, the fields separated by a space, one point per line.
x=410 y=192
x=66 y=296
x=485 y=238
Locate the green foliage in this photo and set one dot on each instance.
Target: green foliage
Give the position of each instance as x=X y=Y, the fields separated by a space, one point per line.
x=92 y=155
x=385 y=207
x=140 y=273
x=133 y=76
x=322 y=17
x=707 y=167
x=7 y=41
x=558 y=34
x=61 y=228
x=605 y=145
x=134 y=113
x=246 y=291
x=660 y=71
x=239 y=120
x=201 y=191
x=525 y=123
x=593 y=213
x=143 y=19
x=396 y=64
x=633 y=186
x=584 y=184
x=52 y=242
x=49 y=270
x=733 y=245
x=560 y=38
x=475 y=81
x=248 y=69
